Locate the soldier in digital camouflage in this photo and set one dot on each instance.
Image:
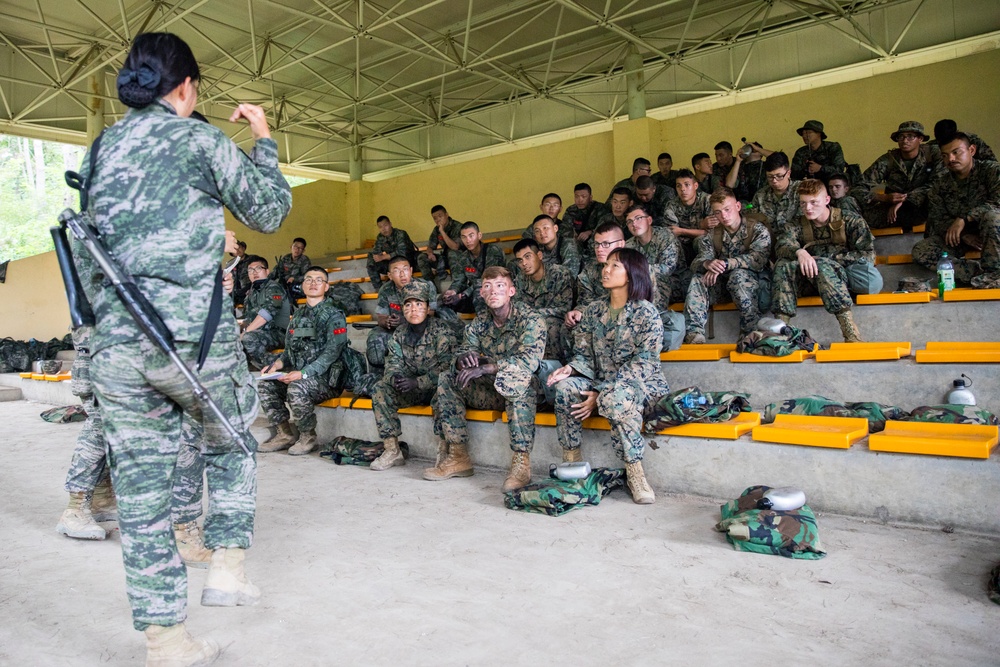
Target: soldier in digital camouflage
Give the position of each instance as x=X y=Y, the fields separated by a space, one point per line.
x=819 y=250
x=312 y=366
x=732 y=261
x=670 y=273
x=615 y=367
x=839 y=189
x=640 y=167
x=265 y=314
x=547 y=289
x=964 y=215
x=551 y=207
x=654 y=198
x=818 y=158
x=389 y=242
x=494 y=370
x=157 y=188
x=746 y=176
x=467 y=273
x=583 y=216
x=242 y=279
x=778 y=202
x=946 y=129
x=607 y=237
x=906 y=173
x=687 y=217
x=443 y=247
x=420 y=350
x=665 y=174
x=291 y=268
x=389 y=311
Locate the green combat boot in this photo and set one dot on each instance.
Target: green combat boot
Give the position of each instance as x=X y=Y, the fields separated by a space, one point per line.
x=78 y=522
x=227 y=584
x=172 y=646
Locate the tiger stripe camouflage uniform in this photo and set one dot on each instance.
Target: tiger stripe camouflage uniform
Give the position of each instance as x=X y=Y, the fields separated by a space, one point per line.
x=565 y=254
x=314 y=344
x=586 y=220
x=396 y=244
x=910 y=177
x=564 y=229
x=657 y=205
x=288 y=267
x=832 y=261
x=425 y=357
x=390 y=301
x=687 y=217
x=740 y=282
x=620 y=359
x=268 y=299
x=516 y=348
x=173 y=250
x=467 y=275
x=441 y=251
x=976 y=199
x=89 y=464
x=829 y=155
x=551 y=297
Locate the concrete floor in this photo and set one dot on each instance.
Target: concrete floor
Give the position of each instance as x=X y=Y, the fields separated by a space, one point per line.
x=363 y=568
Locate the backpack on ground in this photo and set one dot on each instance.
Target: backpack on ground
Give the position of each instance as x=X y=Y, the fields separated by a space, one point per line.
x=791 y=533
x=352 y=451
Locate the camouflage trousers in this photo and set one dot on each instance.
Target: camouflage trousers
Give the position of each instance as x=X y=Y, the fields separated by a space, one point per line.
x=927 y=253
x=622 y=403
x=386 y=400
x=376 y=345
x=89 y=463
x=676 y=287
x=908 y=216
x=555 y=339
x=830 y=282
x=428 y=268
x=375 y=271
x=739 y=286
x=301 y=397
x=450 y=402
x=259 y=343
x=143 y=401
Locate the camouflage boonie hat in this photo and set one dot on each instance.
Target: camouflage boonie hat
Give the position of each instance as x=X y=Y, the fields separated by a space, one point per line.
x=813 y=125
x=417 y=290
x=909 y=126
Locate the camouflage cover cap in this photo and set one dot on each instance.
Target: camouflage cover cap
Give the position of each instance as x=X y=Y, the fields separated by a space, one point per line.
x=909 y=126
x=813 y=125
x=417 y=290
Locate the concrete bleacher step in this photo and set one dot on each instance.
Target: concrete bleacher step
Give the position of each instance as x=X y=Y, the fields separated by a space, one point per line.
x=10 y=394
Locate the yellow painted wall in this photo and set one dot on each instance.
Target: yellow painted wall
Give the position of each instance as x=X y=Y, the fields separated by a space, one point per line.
x=32 y=300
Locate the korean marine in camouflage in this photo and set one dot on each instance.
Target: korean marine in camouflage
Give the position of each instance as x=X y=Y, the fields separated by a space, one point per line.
x=265 y=314
x=313 y=368
x=582 y=216
x=819 y=250
x=819 y=158
x=389 y=242
x=156 y=194
x=420 y=350
x=290 y=268
x=557 y=249
x=494 y=371
x=467 y=273
x=440 y=255
x=963 y=215
x=389 y=311
x=551 y=207
x=732 y=262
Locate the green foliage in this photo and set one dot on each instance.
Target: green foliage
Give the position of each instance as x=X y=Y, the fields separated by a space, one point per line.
x=33 y=192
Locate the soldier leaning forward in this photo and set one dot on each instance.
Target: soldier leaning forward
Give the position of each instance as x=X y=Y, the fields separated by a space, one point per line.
x=389 y=314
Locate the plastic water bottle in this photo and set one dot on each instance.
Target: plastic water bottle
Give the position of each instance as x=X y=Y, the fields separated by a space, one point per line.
x=960 y=394
x=945 y=274
x=691 y=401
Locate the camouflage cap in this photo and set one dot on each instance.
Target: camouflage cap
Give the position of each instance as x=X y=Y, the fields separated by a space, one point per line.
x=813 y=125
x=909 y=126
x=418 y=290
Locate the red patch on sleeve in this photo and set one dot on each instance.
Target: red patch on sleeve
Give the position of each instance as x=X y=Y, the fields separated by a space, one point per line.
x=276 y=297
x=395 y=306
x=470 y=269
x=342 y=330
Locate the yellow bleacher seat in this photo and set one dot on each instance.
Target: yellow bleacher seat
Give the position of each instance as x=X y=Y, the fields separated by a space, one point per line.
x=888 y=298
x=887 y=231
x=26 y=376
x=727 y=430
x=706 y=352
x=358 y=318
x=334 y=269
x=38 y=376
x=746 y=358
x=344 y=258
x=356 y=280
x=330 y=403
x=482 y=415
x=511 y=237
x=863 y=352
x=422 y=410
x=362 y=255
x=809 y=301
x=369 y=296
x=835 y=432
x=965 y=440
x=467 y=316
x=969 y=294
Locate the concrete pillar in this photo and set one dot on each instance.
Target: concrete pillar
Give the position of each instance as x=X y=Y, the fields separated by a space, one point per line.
x=95 y=109
x=635 y=82
x=635 y=138
x=354 y=163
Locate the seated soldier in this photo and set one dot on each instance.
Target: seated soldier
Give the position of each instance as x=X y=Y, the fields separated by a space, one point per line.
x=265 y=314
x=290 y=269
x=389 y=311
x=615 y=368
x=747 y=175
x=907 y=173
x=723 y=161
x=418 y=351
x=818 y=158
x=839 y=188
x=739 y=252
x=547 y=289
x=621 y=199
x=946 y=129
x=701 y=165
x=607 y=237
x=467 y=273
x=818 y=250
x=389 y=243
x=654 y=198
x=640 y=167
x=665 y=174
x=669 y=272
x=551 y=206
x=963 y=215
x=688 y=216
x=494 y=371
x=583 y=216
x=556 y=248
x=313 y=368
x=778 y=202
x=443 y=247
x=241 y=281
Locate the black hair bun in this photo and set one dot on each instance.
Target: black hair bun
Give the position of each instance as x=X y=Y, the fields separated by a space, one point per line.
x=138 y=88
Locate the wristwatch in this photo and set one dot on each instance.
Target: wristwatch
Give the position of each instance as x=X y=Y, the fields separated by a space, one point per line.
x=304 y=376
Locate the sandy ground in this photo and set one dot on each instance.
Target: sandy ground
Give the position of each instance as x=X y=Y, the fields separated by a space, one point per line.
x=363 y=568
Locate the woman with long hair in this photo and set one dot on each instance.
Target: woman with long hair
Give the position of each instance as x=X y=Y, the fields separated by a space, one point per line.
x=157 y=183
x=615 y=367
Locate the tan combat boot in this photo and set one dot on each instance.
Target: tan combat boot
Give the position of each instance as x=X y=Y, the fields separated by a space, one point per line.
x=392 y=456
x=227 y=584
x=848 y=327
x=784 y=318
x=694 y=339
x=520 y=472
x=306 y=443
x=173 y=646
x=442 y=453
x=283 y=439
x=191 y=545
x=103 y=504
x=572 y=455
x=456 y=464
x=78 y=522
x=642 y=492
